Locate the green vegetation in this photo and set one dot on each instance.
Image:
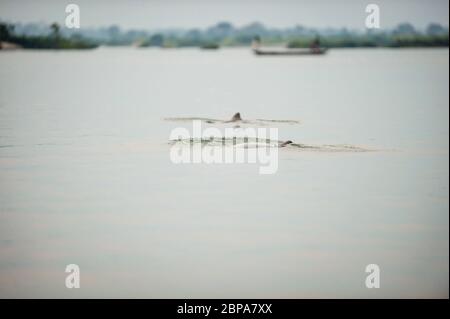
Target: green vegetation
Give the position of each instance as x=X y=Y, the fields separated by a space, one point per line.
x=53 y=40
x=223 y=34
x=420 y=41
x=371 y=41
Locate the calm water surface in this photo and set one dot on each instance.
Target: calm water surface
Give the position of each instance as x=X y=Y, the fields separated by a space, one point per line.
x=85 y=175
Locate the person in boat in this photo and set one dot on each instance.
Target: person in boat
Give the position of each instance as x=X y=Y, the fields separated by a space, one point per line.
x=315 y=45
x=256 y=43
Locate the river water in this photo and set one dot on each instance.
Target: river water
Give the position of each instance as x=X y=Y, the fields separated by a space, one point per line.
x=86 y=177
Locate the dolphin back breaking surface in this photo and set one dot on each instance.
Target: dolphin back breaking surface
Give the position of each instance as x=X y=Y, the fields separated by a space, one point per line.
x=251 y=142
x=236 y=118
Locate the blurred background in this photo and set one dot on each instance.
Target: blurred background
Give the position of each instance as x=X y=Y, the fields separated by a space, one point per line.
x=230 y=23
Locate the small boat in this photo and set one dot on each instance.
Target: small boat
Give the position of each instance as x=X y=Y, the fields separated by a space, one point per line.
x=318 y=51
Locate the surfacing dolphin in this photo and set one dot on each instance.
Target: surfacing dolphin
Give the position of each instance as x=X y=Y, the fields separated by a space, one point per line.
x=236 y=118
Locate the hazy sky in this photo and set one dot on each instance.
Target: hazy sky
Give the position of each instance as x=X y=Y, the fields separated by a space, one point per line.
x=153 y=14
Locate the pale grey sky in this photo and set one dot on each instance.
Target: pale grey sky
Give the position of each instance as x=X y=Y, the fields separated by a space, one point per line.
x=154 y=14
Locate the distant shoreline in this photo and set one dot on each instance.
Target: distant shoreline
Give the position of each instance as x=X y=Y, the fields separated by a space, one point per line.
x=223 y=34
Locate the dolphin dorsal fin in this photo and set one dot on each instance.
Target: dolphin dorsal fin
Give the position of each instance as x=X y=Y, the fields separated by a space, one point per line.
x=285 y=143
x=236 y=117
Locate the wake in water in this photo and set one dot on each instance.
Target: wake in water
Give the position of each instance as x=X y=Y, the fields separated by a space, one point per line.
x=329 y=148
x=240 y=141
x=249 y=142
x=235 y=119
